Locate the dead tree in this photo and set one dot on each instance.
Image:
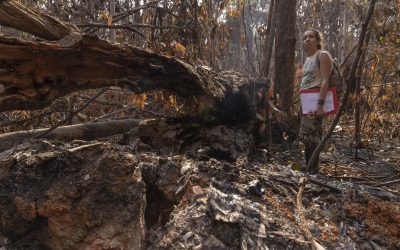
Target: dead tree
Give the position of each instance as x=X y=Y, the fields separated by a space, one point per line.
x=15 y=15
x=33 y=74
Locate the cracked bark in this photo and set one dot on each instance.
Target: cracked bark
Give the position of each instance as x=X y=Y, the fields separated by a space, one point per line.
x=33 y=74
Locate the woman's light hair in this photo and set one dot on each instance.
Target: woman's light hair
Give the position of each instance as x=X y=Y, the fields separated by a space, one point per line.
x=318 y=36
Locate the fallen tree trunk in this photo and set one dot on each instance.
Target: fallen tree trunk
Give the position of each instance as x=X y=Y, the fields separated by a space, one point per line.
x=15 y=15
x=85 y=131
x=33 y=74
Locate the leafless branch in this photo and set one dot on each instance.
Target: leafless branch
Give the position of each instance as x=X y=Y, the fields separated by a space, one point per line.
x=129 y=26
x=70 y=116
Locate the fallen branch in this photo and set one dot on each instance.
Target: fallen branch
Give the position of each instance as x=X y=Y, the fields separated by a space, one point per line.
x=85 y=131
x=113 y=113
x=332 y=188
x=288 y=236
x=300 y=210
x=96 y=144
x=15 y=15
x=19 y=121
x=71 y=115
x=128 y=26
x=33 y=74
x=361 y=177
x=387 y=183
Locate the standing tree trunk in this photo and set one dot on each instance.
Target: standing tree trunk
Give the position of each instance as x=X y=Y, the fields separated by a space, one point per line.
x=357 y=108
x=285 y=45
x=269 y=42
x=112 y=13
x=249 y=39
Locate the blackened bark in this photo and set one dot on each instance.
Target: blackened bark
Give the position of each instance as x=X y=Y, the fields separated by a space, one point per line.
x=34 y=74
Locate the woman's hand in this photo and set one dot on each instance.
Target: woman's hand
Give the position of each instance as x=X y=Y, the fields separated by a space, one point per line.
x=320 y=111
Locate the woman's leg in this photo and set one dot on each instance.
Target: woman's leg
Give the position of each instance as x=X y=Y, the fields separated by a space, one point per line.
x=311 y=134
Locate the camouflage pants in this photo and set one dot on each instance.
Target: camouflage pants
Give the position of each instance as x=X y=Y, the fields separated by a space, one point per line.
x=310 y=129
x=311 y=134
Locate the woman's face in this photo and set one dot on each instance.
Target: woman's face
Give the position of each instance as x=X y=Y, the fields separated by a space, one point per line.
x=310 y=41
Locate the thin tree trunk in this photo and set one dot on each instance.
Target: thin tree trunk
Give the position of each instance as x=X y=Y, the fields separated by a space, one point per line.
x=112 y=13
x=357 y=109
x=196 y=31
x=344 y=33
x=246 y=20
x=269 y=42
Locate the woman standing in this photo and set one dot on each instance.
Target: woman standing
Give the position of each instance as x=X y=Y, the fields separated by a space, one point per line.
x=316 y=72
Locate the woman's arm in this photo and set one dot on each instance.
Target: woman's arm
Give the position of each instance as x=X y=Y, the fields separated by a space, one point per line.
x=325 y=71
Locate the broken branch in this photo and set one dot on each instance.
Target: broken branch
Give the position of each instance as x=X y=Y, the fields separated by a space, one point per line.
x=302 y=218
x=84 y=131
x=15 y=15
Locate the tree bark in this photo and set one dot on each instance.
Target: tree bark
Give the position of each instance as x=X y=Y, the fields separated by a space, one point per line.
x=17 y=16
x=270 y=38
x=285 y=45
x=357 y=108
x=32 y=74
x=112 y=13
x=85 y=131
